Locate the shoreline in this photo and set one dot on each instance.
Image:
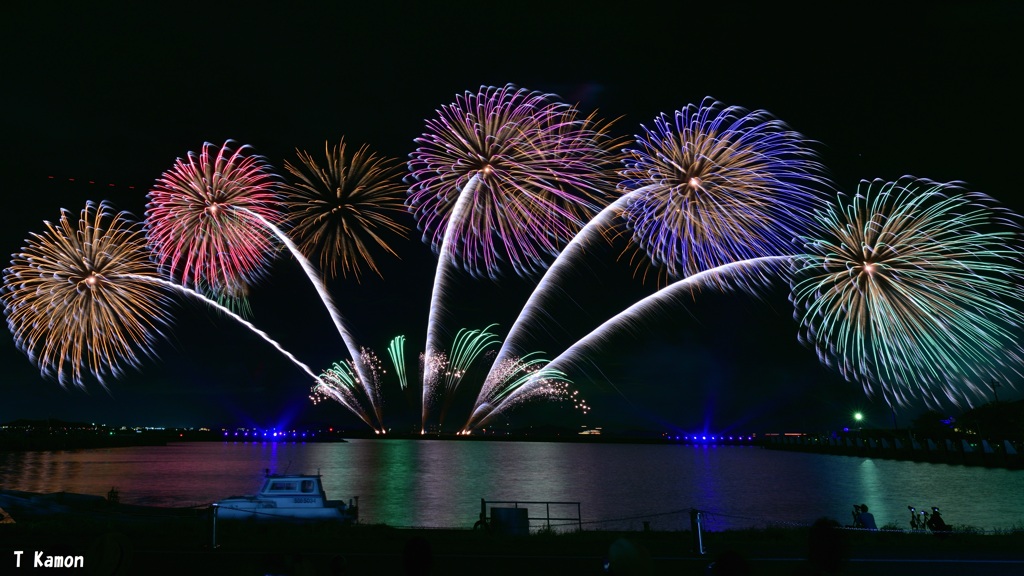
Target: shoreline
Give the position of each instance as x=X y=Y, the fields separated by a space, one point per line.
x=944 y=451
x=906 y=448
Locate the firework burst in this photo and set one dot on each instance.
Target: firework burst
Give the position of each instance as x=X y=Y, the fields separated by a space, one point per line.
x=78 y=300
x=543 y=171
x=912 y=287
x=718 y=184
x=343 y=208
x=202 y=220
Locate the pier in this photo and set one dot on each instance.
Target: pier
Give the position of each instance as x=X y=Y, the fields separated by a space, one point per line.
x=962 y=451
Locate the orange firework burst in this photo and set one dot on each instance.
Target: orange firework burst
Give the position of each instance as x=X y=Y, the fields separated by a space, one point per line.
x=340 y=210
x=77 y=300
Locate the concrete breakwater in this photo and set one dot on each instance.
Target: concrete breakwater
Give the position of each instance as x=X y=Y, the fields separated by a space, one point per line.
x=963 y=451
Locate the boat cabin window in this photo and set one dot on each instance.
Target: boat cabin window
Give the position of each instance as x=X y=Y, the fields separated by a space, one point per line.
x=305 y=486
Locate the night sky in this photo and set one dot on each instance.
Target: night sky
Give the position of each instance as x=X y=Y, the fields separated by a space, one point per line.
x=112 y=98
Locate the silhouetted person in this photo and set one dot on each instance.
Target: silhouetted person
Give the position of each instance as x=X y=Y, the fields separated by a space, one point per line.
x=937 y=524
x=866 y=519
x=417 y=558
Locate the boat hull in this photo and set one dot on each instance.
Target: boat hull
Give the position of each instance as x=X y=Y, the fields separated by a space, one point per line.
x=257 y=510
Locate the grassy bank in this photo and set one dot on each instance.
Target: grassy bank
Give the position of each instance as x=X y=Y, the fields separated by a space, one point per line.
x=270 y=548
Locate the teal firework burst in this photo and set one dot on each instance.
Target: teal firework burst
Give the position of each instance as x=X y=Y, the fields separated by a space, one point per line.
x=912 y=288
x=396 y=351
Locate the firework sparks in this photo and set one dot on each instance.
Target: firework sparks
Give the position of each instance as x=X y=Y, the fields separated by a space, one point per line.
x=321 y=289
x=374 y=369
x=468 y=347
x=603 y=222
x=913 y=287
x=341 y=383
x=201 y=218
x=716 y=185
x=213 y=222
x=233 y=296
x=748 y=276
x=396 y=351
x=504 y=174
x=341 y=209
x=516 y=381
x=230 y=314
x=87 y=299
x=431 y=358
x=77 y=300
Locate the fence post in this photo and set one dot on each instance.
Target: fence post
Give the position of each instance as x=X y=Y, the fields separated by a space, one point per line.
x=215 y=508
x=697 y=531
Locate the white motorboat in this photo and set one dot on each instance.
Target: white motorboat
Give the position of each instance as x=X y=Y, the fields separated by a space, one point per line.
x=287 y=497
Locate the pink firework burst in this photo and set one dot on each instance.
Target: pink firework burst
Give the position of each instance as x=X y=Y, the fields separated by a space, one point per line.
x=203 y=218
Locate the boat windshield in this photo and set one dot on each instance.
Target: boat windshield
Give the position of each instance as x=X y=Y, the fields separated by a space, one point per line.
x=304 y=486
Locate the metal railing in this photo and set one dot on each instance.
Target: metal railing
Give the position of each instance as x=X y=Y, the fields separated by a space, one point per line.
x=547 y=518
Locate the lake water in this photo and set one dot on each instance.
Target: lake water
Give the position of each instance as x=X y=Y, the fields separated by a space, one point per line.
x=435 y=483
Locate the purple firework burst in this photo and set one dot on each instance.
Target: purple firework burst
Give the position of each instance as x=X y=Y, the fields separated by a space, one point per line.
x=543 y=170
x=715 y=184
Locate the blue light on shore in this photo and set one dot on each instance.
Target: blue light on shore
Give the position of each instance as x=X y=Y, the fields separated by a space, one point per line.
x=711 y=438
x=273 y=435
